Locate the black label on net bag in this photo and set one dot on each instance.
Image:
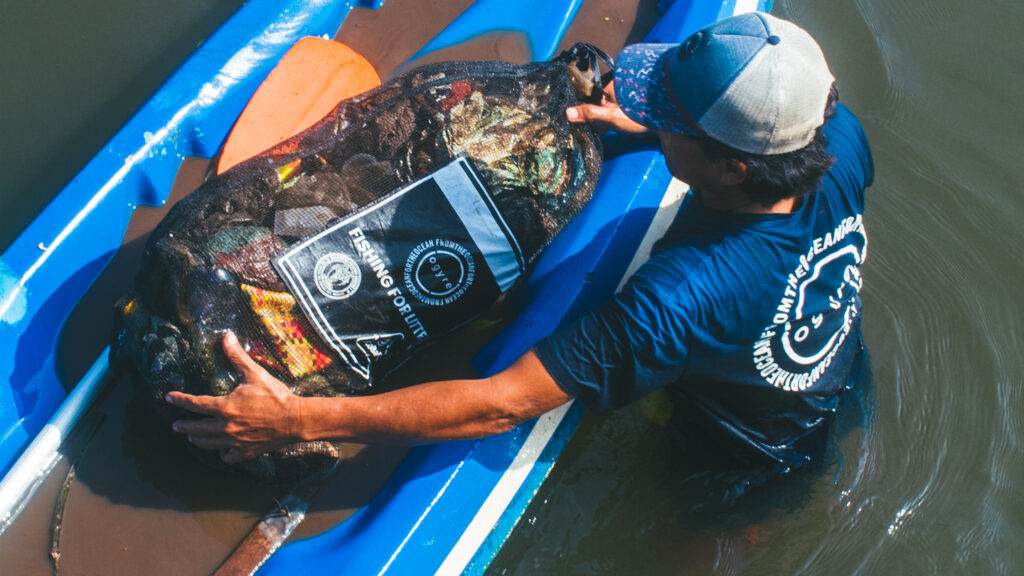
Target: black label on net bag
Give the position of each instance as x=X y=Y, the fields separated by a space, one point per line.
x=418 y=264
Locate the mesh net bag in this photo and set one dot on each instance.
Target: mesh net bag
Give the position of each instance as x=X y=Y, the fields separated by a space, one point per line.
x=336 y=254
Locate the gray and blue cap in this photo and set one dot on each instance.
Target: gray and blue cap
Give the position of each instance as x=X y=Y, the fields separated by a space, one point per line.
x=754 y=82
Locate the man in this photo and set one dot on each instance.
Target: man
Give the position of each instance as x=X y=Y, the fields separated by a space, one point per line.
x=747 y=312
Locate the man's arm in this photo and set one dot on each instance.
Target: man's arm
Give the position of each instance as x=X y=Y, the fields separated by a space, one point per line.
x=262 y=414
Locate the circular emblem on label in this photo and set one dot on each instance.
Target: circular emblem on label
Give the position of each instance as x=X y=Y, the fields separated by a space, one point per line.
x=438 y=272
x=337 y=276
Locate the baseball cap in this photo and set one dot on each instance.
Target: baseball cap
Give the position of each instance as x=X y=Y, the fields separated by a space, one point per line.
x=754 y=82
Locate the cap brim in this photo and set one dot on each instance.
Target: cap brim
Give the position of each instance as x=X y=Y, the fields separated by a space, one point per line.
x=641 y=88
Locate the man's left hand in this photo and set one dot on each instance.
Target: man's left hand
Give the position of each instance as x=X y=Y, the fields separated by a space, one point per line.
x=259 y=415
x=606 y=115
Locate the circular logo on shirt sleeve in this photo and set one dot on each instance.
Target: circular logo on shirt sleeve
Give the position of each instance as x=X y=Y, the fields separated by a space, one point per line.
x=438 y=272
x=337 y=275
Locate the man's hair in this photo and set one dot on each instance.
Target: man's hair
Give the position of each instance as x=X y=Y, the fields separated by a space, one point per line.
x=774 y=177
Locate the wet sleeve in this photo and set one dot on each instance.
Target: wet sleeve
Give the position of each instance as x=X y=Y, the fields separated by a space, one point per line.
x=618 y=353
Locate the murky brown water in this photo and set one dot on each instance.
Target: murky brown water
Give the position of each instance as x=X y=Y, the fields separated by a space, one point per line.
x=924 y=476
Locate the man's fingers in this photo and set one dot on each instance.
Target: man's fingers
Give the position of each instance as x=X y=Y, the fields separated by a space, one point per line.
x=201 y=427
x=240 y=358
x=586 y=113
x=212 y=442
x=209 y=434
x=608 y=115
x=206 y=405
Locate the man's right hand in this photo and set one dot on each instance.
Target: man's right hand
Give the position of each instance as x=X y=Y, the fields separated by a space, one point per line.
x=606 y=115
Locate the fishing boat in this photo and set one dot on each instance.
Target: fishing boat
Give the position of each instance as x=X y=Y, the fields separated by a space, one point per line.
x=448 y=507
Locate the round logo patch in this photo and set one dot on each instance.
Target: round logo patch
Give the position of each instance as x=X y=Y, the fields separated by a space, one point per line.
x=438 y=272
x=337 y=276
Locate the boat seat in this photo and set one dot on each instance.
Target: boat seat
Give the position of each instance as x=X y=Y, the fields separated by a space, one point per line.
x=309 y=81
